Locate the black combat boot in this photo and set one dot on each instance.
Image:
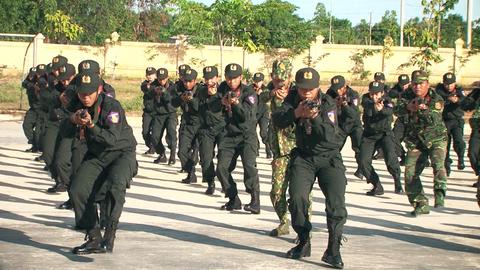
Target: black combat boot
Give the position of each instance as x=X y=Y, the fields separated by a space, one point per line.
x=232 y=204
x=461 y=164
x=303 y=249
x=171 y=160
x=161 y=159
x=93 y=244
x=150 y=151
x=109 y=236
x=191 y=178
x=332 y=255
x=67 y=205
x=211 y=188
x=398 y=185
x=376 y=190
x=254 y=205
x=358 y=173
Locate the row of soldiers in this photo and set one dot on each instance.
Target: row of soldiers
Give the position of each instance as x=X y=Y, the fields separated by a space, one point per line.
x=86 y=144
x=307 y=131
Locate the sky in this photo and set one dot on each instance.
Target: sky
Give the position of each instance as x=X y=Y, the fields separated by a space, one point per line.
x=355 y=10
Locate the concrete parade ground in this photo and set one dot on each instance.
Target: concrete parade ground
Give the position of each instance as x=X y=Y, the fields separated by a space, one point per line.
x=169 y=225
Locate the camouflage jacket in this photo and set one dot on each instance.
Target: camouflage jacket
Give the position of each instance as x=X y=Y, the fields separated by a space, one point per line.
x=282 y=140
x=423 y=127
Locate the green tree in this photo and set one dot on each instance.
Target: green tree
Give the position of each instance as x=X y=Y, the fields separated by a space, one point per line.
x=276 y=26
x=193 y=20
x=388 y=26
x=452 y=28
x=341 y=30
x=60 y=28
x=362 y=32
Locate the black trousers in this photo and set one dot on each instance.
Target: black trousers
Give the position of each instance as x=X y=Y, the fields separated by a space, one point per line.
x=161 y=123
x=188 y=146
x=207 y=140
x=147 y=125
x=110 y=172
x=330 y=171
x=229 y=149
x=28 y=126
x=455 y=134
x=386 y=142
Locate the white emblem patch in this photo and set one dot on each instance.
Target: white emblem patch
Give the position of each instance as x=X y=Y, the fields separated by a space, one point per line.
x=331 y=116
x=113 y=117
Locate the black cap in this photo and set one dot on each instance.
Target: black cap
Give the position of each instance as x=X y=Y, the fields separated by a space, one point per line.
x=89 y=66
x=233 y=70
x=150 y=71
x=258 y=77
x=403 y=79
x=379 y=76
x=210 y=72
x=419 y=76
x=58 y=62
x=375 y=87
x=66 y=72
x=190 y=75
x=182 y=69
x=32 y=71
x=307 y=78
x=41 y=69
x=449 y=78
x=337 y=82
x=87 y=83
x=162 y=73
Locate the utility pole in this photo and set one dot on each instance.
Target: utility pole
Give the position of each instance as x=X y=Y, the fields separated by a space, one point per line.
x=469 y=23
x=402 y=7
x=370 y=31
x=330 y=31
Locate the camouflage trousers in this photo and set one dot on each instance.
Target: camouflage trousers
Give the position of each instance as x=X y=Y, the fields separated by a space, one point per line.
x=279 y=188
x=413 y=184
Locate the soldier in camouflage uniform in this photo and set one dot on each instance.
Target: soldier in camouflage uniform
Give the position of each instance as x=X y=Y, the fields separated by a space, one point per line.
x=282 y=141
x=426 y=134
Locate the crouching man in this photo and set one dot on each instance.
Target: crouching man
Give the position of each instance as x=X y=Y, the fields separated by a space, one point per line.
x=108 y=166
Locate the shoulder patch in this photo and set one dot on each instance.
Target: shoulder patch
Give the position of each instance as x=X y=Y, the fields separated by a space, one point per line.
x=390 y=105
x=355 y=101
x=113 y=117
x=331 y=116
x=252 y=99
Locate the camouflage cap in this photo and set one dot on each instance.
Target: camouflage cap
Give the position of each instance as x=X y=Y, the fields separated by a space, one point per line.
x=419 y=76
x=282 y=69
x=449 y=78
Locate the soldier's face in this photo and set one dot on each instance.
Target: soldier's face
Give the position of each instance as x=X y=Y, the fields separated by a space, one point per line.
x=190 y=84
x=67 y=81
x=151 y=77
x=163 y=81
x=278 y=82
x=211 y=81
x=421 y=89
x=234 y=83
x=342 y=91
x=376 y=96
x=56 y=72
x=308 y=94
x=450 y=87
x=258 y=85
x=89 y=99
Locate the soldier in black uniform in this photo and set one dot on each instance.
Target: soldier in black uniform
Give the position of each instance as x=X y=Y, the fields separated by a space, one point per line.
x=165 y=117
x=471 y=103
x=317 y=155
x=186 y=98
x=212 y=124
x=380 y=78
x=148 y=108
x=41 y=84
x=377 y=133
x=111 y=155
x=399 y=130
x=349 y=121
x=452 y=115
x=30 y=119
x=61 y=164
x=239 y=111
x=263 y=112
